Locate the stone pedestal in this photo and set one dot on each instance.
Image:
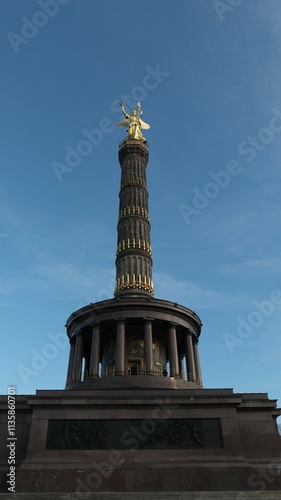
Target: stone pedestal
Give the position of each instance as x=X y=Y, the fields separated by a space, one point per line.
x=145 y=440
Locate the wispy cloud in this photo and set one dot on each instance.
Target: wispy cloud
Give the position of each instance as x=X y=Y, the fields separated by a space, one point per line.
x=250 y=268
x=191 y=294
x=66 y=275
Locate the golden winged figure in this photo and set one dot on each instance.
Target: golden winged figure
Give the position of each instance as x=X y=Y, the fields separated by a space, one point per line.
x=133 y=122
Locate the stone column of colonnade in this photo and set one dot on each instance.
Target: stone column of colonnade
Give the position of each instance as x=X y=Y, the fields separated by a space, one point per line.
x=120 y=348
x=70 y=364
x=95 y=352
x=190 y=363
x=197 y=362
x=77 y=361
x=148 y=350
x=173 y=351
x=192 y=359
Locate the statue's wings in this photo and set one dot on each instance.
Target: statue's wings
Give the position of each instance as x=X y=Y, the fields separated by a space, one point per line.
x=124 y=123
x=143 y=124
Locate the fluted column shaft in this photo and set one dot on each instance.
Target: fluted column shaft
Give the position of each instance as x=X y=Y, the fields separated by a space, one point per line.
x=148 y=351
x=70 y=364
x=86 y=368
x=173 y=352
x=181 y=368
x=120 y=348
x=77 y=364
x=134 y=253
x=95 y=352
x=197 y=362
x=190 y=363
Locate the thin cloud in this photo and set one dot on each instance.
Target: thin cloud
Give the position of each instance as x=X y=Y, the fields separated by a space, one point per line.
x=254 y=267
x=85 y=280
x=191 y=294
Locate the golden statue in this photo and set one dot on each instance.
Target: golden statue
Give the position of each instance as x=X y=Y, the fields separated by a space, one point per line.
x=133 y=123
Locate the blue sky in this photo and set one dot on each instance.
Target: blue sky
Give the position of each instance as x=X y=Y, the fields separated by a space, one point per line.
x=209 y=82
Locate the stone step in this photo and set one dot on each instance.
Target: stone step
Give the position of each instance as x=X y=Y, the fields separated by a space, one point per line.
x=200 y=495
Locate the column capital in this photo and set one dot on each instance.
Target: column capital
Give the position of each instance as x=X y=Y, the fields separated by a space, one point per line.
x=77 y=337
x=148 y=319
x=191 y=332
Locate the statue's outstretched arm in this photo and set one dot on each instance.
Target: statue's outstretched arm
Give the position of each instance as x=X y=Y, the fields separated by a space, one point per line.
x=122 y=104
